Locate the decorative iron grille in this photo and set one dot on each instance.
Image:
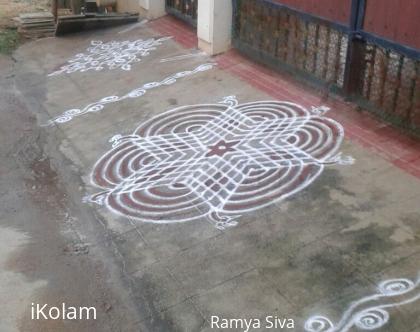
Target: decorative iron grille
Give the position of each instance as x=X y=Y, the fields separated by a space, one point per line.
x=185 y=10
x=283 y=37
x=381 y=76
x=390 y=85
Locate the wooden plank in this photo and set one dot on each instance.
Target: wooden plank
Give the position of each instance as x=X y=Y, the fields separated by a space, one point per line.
x=67 y=24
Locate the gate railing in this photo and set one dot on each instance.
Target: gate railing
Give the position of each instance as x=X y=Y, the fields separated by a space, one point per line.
x=185 y=10
x=381 y=75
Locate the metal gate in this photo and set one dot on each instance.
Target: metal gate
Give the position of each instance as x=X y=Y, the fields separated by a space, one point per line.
x=185 y=10
x=340 y=51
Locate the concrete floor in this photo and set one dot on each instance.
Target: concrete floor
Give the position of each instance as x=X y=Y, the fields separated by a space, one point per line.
x=314 y=253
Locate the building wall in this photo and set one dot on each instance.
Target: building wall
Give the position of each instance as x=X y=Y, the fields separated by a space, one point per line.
x=394 y=20
x=129 y=6
x=334 y=10
x=147 y=8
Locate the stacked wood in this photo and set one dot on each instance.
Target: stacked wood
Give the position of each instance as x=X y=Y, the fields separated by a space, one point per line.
x=36 y=25
x=90 y=21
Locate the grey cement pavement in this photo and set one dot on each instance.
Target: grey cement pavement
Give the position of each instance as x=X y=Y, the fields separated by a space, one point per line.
x=312 y=254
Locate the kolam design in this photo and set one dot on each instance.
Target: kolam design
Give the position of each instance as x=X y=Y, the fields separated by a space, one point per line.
x=110 y=55
x=370 y=312
x=216 y=160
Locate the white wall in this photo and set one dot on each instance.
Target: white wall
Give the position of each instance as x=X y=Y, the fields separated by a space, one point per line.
x=151 y=8
x=155 y=8
x=129 y=6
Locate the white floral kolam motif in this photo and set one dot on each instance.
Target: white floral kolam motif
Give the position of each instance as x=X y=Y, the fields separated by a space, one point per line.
x=110 y=55
x=216 y=160
x=138 y=92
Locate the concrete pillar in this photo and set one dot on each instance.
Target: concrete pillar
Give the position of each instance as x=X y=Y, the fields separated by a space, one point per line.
x=153 y=8
x=214 y=25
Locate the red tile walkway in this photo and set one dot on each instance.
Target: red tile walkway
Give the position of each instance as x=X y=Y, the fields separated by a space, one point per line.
x=170 y=26
x=383 y=139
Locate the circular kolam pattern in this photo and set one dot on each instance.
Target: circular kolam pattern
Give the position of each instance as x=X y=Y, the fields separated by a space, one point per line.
x=218 y=160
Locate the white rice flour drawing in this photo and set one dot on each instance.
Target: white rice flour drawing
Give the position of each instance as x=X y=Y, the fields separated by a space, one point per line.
x=370 y=313
x=183 y=57
x=136 y=93
x=111 y=55
x=216 y=160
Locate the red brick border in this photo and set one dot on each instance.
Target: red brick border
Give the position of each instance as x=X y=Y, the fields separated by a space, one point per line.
x=181 y=32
